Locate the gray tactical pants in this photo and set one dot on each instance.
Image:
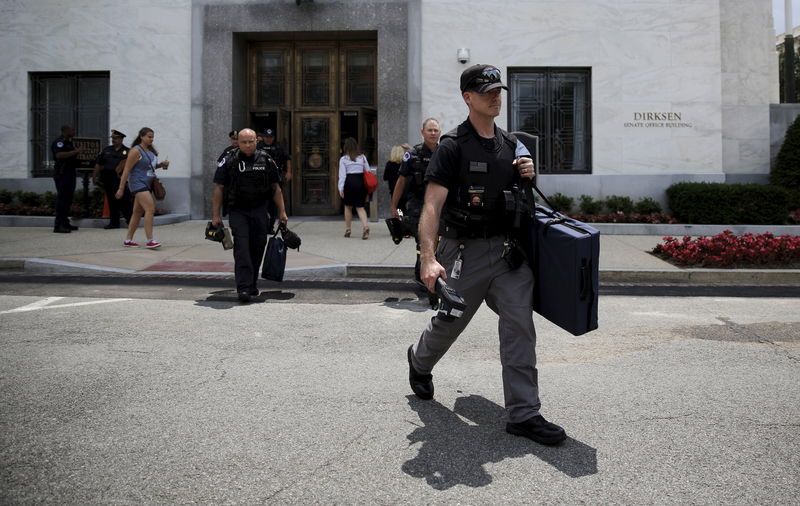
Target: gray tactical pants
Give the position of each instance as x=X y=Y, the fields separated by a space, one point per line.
x=485 y=276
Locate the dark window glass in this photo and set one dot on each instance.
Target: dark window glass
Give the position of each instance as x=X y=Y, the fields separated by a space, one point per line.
x=271 y=78
x=77 y=99
x=316 y=77
x=360 y=77
x=554 y=104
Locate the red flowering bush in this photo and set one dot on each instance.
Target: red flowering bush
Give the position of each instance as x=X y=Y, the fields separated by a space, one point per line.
x=620 y=217
x=728 y=250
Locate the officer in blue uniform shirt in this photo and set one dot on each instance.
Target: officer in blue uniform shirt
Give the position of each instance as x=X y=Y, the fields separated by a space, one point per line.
x=248 y=179
x=411 y=181
x=65 y=155
x=105 y=171
x=470 y=199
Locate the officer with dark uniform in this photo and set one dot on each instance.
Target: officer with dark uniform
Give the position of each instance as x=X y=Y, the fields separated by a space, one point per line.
x=105 y=172
x=472 y=177
x=284 y=161
x=233 y=135
x=411 y=181
x=278 y=153
x=248 y=179
x=65 y=155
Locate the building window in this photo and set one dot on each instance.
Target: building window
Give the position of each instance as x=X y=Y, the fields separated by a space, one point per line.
x=79 y=99
x=554 y=104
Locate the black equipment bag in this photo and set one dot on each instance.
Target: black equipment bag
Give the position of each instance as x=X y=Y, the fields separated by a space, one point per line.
x=565 y=257
x=274 y=259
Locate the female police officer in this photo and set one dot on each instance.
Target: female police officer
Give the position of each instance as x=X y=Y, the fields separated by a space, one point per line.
x=248 y=178
x=468 y=178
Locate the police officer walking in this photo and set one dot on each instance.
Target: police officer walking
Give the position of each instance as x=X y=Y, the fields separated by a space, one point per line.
x=411 y=181
x=233 y=135
x=105 y=171
x=470 y=176
x=282 y=159
x=248 y=179
x=65 y=155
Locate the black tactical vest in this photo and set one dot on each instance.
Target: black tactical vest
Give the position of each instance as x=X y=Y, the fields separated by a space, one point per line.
x=250 y=186
x=478 y=206
x=418 y=159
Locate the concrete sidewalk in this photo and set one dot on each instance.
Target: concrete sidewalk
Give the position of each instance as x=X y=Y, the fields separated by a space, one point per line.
x=324 y=253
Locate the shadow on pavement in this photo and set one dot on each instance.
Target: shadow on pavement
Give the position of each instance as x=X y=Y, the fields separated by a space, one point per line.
x=454 y=450
x=408 y=304
x=227 y=299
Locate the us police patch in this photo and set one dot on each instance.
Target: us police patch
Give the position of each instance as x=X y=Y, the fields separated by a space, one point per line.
x=59 y=144
x=407 y=156
x=222 y=162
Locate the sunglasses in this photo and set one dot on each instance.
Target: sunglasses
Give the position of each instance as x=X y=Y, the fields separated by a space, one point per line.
x=488 y=76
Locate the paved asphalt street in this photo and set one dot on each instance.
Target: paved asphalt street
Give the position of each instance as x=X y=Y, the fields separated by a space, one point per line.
x=143 y=392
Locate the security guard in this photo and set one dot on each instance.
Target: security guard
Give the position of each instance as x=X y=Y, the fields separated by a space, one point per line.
x=411 y=181
x=284 y=161
x=470 y=177
x=105 y=172
x=233 y=135
x=248 y=178
x=278 y=153
x=65 y=155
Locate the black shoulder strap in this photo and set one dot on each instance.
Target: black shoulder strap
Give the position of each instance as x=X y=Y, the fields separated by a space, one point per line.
x=456 y=133
x=510 y=138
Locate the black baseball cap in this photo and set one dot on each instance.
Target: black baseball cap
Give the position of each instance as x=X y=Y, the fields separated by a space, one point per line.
x=269 y=133
x=233 y=135
x=481 y=78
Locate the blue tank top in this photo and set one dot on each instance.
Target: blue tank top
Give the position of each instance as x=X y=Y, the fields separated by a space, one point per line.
x=146 y=166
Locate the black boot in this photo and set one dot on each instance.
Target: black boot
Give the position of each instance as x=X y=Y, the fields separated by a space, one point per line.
x=421 y=384
x=538 y=429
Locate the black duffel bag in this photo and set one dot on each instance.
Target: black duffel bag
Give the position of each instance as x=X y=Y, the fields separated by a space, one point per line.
x=274 y=259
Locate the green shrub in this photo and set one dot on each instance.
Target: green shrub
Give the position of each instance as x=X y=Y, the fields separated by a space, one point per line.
x=786 y=172
x=561 y=202
x=618 y=203
x=728 y=204
x=588 y=205
x=647 y=205
x=96 y=196
x=49 y=199
x=31 y=199
x=6 y=196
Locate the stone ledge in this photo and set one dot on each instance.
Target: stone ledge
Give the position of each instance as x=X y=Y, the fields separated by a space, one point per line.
x=47 y=221
x=703 y=276
x=680 y=229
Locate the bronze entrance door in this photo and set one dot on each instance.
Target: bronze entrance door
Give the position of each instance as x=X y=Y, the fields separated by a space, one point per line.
x=314 y=184
x=315 y=93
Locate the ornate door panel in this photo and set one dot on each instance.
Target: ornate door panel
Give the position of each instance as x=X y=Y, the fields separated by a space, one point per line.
x=316 y=161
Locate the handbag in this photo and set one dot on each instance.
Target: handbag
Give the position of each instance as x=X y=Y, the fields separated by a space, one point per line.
x=274 y=259
x=158 y=189
x=370 y=181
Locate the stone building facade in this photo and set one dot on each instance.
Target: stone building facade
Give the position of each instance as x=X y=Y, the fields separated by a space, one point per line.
x=626 y=96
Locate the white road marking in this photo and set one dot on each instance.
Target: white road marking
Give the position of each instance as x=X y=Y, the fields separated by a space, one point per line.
x=45 y=304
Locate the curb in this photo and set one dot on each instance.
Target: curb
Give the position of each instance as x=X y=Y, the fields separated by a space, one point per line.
x=47 y=221
x=743 y=277
x=729 y=277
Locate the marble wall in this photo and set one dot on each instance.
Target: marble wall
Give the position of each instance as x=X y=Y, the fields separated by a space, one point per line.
x=173 y=67
x=145 y=49
x=748 y=42
x=657 y=56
